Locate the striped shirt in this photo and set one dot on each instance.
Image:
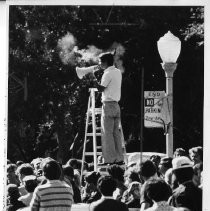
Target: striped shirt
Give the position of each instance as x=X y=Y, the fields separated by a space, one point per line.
x=55 y=195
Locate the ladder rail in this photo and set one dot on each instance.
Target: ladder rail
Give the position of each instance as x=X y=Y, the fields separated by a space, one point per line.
x=85 y=140
x=94 y=129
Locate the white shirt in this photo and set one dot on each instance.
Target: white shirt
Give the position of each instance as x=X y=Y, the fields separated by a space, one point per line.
x=111 y=79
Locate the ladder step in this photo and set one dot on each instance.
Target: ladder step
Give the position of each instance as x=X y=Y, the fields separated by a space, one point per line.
x=91 y=134
x=91 y=153
x=99 y=147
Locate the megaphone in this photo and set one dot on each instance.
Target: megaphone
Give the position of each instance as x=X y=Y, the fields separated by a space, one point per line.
x=82 y=71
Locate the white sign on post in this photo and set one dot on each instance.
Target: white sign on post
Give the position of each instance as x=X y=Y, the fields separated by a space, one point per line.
x=156 y=112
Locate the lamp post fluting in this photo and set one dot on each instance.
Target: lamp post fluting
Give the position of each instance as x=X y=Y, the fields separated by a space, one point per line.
x=169 y=48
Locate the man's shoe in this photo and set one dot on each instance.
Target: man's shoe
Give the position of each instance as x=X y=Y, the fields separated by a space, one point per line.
x=120 y=163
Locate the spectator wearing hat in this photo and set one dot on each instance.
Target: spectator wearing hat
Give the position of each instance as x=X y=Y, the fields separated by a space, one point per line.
x=186 y=194
x=196 y=155
x=55 y=194
x=159 y=191
x=107 y=185
x=91 y=192
x=147 y=172
x=165 y=164
x=30 y=183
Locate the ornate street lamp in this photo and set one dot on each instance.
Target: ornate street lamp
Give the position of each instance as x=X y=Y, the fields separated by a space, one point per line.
x=169 y=48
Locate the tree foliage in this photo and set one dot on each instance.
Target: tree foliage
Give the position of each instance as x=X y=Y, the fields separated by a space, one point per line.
x=56 y=96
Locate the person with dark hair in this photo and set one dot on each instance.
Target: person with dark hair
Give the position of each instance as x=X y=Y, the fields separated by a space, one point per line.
x=147 y=172
x=164 y=165
x=12 y=198
x=91 y=192
x=23 y=170
x=179 y=152
x=55 y=194
x=19 y=163
x=68 y=173
x=159 y=192
x=118 y=174
x=186 y=194
x=107 y=185
x=12 y=178
x=196 y=155
x=30 y=183
x=110 y=87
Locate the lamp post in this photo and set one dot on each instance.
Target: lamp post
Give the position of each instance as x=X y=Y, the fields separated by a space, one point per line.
x=169 y=48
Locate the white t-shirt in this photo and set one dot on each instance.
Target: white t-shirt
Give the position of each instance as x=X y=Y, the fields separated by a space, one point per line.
x=111 y=79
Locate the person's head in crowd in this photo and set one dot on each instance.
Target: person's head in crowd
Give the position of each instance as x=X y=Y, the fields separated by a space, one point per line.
x=19 y=163
x=11 y=174
x=179 y=152
x=9 y=161
x=147 y=170
x=158 y=190
x=68 y=171
x=76 y=164
x=131 y=176
x=106 y=60
x=107 y=185
x=196 y=154
x=155 y=159
x=134 y=189
x=100 y=159
x=197 y=169
x=36 y=164
x=23 y=170
x=116 y=172
x=30 y=183
x=182 y=169
x=51 y=169
x=12 y=194
x=165 y=164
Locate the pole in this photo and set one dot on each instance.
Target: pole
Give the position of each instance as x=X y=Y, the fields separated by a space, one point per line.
x=169 y=69
x=142 y=110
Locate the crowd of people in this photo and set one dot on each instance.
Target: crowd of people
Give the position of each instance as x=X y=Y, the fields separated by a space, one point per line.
x=157 y=184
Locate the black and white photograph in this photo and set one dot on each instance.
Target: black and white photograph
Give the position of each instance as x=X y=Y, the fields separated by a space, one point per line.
x=105 y=105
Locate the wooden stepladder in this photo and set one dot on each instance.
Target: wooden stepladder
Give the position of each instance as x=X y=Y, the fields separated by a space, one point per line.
x=92 y=131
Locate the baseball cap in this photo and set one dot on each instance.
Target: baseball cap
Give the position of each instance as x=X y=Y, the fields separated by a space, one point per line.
x=181 y=162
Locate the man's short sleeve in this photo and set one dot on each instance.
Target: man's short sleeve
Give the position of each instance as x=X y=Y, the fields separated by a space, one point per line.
x=106 y=78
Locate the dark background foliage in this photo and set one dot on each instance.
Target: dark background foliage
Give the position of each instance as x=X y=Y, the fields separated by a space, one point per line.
x=49 y=114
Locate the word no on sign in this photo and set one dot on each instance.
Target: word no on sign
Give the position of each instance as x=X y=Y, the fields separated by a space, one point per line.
x=154 y=113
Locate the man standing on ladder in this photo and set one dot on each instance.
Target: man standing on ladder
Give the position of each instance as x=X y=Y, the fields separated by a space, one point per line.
x=110 y=87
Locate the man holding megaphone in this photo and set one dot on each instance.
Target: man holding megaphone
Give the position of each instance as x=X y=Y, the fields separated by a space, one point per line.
x=110 y=120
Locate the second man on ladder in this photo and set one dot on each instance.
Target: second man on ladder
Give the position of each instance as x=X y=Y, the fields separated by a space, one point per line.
x=110 y=87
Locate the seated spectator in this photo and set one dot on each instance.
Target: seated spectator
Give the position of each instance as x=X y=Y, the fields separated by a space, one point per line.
x=179 y=152
x=165 y=164
x=91 y=192
x=24 y=170
x=196 y=155
x=30 y=183
x=147 y=172
x=68 y=172
x=12 y=198
x=107 y=185
x=134 y=190
x=197 y=169
x=12 y=178
x=159 y=192
x=186 y=194
x=117 y=173
x=55 y=194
